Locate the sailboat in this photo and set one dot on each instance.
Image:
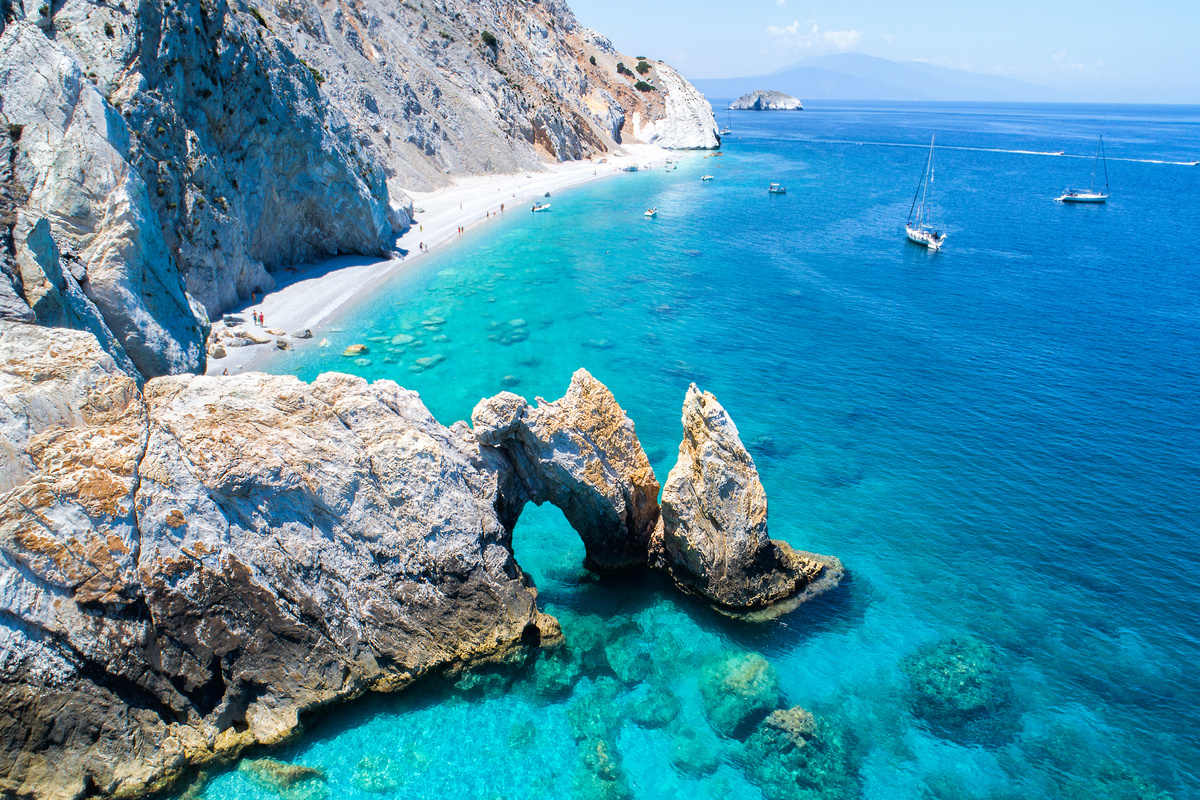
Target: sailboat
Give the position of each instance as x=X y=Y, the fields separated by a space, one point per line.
x=1091 y=195
x=728 y=129
x=920 y=226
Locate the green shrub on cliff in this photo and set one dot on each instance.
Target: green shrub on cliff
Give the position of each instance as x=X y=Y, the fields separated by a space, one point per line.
x=489 y=39
x=642 y=86
x=643 y=67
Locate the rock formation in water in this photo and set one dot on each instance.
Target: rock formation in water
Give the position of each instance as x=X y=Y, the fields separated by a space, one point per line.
x=581 y=453
x=178 y=152
x=712 y=538
x=188 y=567
x=961 y=690
x=184 y=572
x=763 y=100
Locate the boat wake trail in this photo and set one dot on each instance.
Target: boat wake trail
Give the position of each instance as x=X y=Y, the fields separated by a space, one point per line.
x=1058 y=154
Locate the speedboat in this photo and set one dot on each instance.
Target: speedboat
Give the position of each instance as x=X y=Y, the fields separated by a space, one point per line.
x=776 y=188
x=540 y=207
x=706 y=177
x=652 y=212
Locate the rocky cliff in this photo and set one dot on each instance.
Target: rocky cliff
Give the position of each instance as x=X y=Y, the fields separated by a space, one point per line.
x=180 y=152
x=188 y=568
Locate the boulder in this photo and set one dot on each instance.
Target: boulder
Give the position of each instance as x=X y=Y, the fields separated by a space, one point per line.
x=695 y=753
x=289 y=781
x=794 y=756
x=354 y=350
x=580 y=453
x=712 y=537
x=656 y=709
x=739 y=690
x=959 y=688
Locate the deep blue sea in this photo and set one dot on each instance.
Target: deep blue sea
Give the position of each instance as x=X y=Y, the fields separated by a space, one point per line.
x=1001 y=441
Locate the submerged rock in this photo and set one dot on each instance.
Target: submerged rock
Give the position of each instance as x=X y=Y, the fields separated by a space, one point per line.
x=694 y=753
x=658 y=708
x=289 y=781
x=794 y=756
x=712 y=537
x=739 y=690
x=600 y=775
x=378 y=775
x=960 y=690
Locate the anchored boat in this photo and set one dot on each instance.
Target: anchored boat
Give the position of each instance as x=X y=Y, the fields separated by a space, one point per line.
x=540 y=207
x=776 y=188
x=652 y=212
x=1091 y=195
x=920 y=228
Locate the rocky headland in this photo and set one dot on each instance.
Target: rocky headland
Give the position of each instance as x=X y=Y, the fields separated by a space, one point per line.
x=762 y=100
x=189 y=566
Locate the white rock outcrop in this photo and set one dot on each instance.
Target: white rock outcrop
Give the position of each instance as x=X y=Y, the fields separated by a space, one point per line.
x=688 y=122
x=763 y=100
x=74 y=162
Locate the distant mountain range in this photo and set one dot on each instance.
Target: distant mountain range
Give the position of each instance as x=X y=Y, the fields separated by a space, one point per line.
x=853 y=76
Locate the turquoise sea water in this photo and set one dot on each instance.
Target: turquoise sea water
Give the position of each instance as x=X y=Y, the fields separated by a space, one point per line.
x=1000 y=441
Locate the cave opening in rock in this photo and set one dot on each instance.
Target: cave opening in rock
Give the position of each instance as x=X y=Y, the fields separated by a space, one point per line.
x=550 y=552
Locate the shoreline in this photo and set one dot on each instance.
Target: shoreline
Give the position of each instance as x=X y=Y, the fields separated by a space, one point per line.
x=307 y=296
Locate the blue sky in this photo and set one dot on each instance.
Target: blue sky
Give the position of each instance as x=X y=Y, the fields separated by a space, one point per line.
x=1147 y=50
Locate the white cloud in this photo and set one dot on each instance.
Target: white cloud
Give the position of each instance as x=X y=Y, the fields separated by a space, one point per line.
x=780 y=2
x=815 y=38
x=842 y=40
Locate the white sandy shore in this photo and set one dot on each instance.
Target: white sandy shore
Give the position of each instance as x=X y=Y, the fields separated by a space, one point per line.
x=306 y=297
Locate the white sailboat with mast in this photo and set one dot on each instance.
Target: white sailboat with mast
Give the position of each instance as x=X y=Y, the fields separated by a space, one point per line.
x=1091 y=195
x=920 y=228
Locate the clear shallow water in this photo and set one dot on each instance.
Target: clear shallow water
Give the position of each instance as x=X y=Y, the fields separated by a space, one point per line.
x=999 y=440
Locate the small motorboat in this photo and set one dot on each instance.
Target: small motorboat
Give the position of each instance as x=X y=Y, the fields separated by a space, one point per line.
x=1059 y=153
x=540 y=207
x=776 y=188
x=706 y=177
x=652 y=212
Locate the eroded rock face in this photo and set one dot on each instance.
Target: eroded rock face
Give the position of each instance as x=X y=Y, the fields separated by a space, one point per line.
x=183 y=575
x=580 y=453
x=713 y=535
x=74 y=160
